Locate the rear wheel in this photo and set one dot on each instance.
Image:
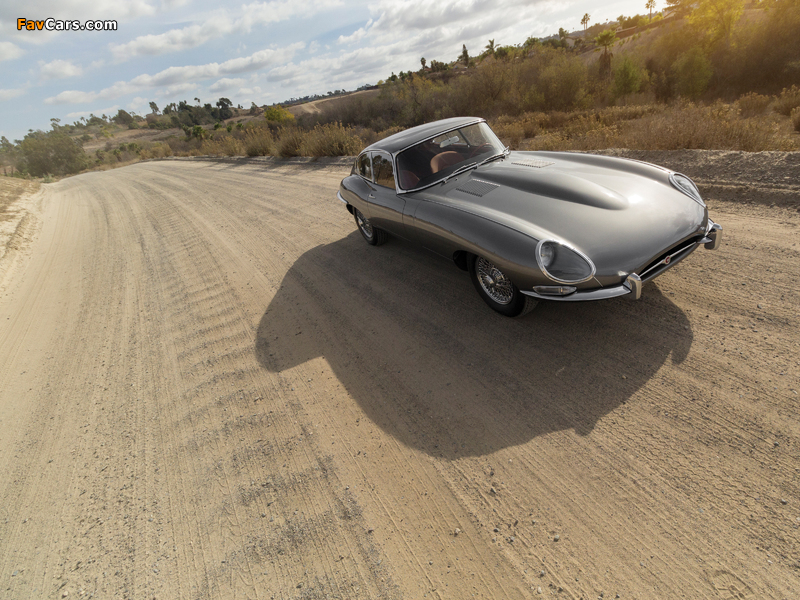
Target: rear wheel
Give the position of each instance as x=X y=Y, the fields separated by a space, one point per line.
x=497 y=290
x=372 y=235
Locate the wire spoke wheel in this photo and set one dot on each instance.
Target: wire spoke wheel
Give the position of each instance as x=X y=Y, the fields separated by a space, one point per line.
x=364 y=225
x=496 y=285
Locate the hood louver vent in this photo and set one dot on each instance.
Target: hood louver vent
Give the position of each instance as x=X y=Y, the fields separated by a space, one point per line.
x=538 y=164
x=476 y=187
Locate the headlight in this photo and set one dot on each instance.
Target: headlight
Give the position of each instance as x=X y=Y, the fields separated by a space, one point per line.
x=687 y=186
x=562 y=263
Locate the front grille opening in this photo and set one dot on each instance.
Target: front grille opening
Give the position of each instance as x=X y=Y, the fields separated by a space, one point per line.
x=676 y=250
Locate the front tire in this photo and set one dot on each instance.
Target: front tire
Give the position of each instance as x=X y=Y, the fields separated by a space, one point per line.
x=497 y=290
x=372 y=235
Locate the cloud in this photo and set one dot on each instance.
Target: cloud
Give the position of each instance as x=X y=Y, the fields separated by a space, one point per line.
x=72 y=97
x=175 y=76
x=226 y=84
x=9 y=51
x=219 y=25
x=180 y=88
x=110 y=111
x=10 y=10
x=356 y=36
x=138 y=103
x=9 y=94
x=58 y=69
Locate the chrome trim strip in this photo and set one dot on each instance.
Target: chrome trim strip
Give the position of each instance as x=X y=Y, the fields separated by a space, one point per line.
x=580 y=296
x=467 y=124
x=578 y=252
x=339 y=196
x=698 y=198
x=399 y=191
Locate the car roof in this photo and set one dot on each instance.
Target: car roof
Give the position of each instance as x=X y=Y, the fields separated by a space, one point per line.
x=409 y=137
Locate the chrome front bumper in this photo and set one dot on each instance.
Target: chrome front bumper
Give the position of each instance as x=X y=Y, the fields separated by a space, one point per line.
x=631 y=288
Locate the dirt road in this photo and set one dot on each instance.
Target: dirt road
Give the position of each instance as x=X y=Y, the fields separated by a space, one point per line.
x=213 y=388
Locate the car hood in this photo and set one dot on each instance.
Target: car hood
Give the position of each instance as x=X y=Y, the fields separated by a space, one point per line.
x=621 y=213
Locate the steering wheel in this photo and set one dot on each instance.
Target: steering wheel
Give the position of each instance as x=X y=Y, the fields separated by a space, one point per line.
x=479 y=149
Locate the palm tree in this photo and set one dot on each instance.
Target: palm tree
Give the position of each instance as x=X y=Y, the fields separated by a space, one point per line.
x=651 y=4
x=490 y=48
x=585 y=21
x=606 y=39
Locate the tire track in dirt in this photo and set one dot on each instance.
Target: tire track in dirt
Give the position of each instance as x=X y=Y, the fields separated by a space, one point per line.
x=214 y=389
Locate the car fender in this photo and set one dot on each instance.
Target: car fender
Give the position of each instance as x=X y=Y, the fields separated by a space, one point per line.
x=447 y=231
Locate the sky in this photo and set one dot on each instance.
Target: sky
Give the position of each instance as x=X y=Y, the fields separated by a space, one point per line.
x=165 y=51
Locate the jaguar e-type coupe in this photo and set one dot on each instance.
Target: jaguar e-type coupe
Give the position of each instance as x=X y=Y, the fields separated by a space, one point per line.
x=527 y=226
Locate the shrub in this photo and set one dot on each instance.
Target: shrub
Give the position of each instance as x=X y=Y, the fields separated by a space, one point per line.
x=157 y=150
x=223 y=146
x=788 y=100
x=693 y=72
x=627 y=77
x=796 y=118
x=510 y=134
x=289 y=140
x=753 y=104
x=259 y=142
x=278 y=114
x=57 y=154
x=331 y=140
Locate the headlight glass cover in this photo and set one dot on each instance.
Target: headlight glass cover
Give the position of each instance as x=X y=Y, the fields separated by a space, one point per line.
x=563 y=264
x=687 y=186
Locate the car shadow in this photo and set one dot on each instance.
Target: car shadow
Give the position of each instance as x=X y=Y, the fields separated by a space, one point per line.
x=410 y=340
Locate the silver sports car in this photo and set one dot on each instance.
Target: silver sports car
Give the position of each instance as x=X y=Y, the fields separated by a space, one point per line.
x=527 y=226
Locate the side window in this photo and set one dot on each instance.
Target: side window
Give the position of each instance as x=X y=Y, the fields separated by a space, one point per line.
x=364 y=166
x=384 y=175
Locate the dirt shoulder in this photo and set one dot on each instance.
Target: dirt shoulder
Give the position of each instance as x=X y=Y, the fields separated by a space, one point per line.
x=771 y=178
x=213 y=388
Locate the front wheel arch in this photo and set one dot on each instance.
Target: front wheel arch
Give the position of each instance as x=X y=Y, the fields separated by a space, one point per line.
x=461 y=258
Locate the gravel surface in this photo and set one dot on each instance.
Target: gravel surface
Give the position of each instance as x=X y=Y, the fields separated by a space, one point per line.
x=213 y=388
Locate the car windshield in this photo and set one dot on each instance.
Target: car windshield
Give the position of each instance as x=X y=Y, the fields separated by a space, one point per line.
x=433 y=160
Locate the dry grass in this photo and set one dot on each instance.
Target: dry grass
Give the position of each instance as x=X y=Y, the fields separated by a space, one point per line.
x=796 y=119
x=748 y=125
x=13 y=188
x=258 y=141
x=290 y=138
x=716 y=127
x=331 y=140
x=223 y=146
x=753 y=104
x=788 y=100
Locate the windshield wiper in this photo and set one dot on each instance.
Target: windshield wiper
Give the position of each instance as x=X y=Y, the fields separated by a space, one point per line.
x=460 y=170
x=495 y=157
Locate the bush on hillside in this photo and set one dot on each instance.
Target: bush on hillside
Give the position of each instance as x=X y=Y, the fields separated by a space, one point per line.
x=788 y=100
x=331 y=140
x=753 y=104
x=54 y=153
x=693 y=73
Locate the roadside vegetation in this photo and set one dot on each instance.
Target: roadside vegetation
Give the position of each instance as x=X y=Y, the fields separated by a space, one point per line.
x=704 y=75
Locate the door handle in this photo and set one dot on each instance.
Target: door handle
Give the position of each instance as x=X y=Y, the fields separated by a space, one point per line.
x=372 y=196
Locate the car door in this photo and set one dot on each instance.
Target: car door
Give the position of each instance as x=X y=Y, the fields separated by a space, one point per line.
x=386 y=206
x=360 y=185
